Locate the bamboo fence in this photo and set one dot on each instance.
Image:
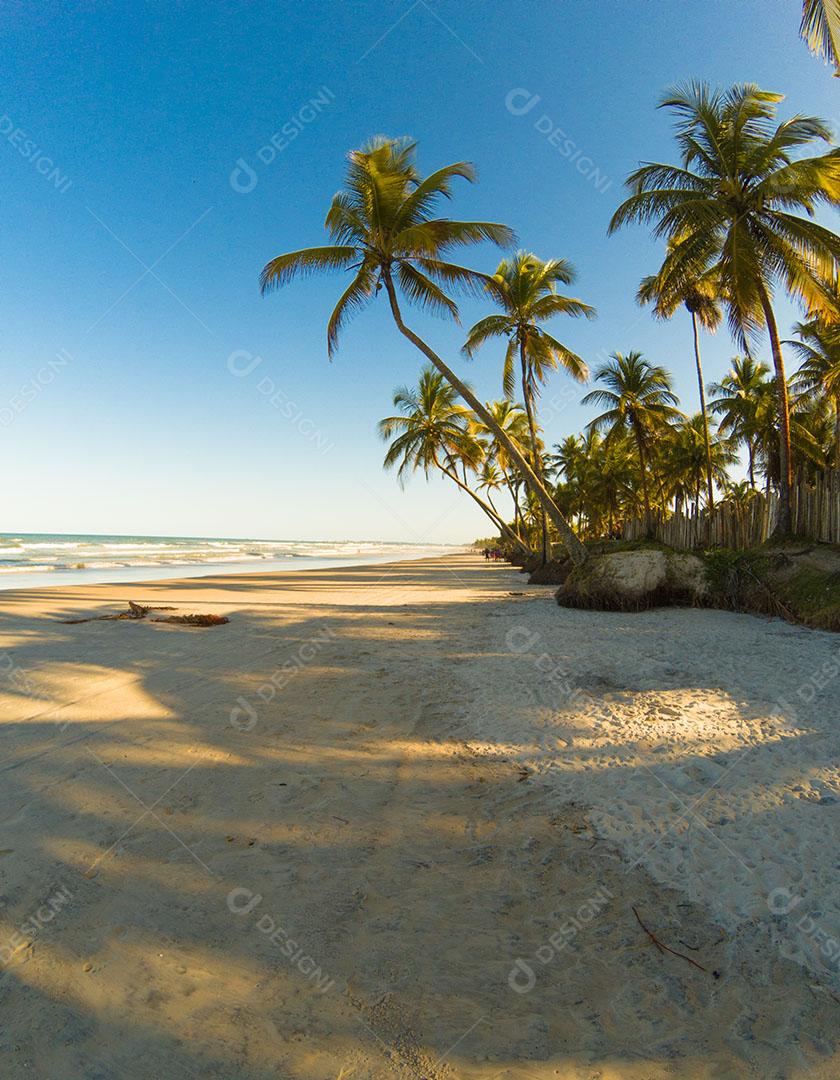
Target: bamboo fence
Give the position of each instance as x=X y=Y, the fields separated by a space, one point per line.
x=815 y=507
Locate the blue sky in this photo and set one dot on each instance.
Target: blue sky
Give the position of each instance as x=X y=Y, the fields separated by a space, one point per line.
x=130 y=259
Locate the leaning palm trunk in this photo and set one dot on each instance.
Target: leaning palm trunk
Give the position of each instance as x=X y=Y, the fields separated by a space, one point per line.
x=515 y=497
x=785 y=523
x=503 y=528
x=702 y=389
x=577 y=552
x=532 y=427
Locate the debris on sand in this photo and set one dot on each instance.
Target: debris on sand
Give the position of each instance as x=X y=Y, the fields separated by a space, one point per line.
x=140 y=611
x=195 y=620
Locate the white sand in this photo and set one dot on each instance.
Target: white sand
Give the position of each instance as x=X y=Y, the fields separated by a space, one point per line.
x=706 y=745
x=361 y=832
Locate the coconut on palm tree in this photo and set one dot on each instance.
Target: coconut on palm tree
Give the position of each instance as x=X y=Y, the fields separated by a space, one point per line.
x=384 y=232
x=637 y=399
x=700 y=297
x=431 y=431
x=730 y=209
x=525 y=288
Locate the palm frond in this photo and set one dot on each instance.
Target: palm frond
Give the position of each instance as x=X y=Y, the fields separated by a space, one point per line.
x=305 y=263
x=423 y=292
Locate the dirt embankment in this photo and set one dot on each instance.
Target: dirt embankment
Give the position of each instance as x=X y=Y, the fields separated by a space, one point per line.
x=797 y=581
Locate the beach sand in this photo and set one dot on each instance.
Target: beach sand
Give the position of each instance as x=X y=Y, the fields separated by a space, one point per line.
x=395 y=821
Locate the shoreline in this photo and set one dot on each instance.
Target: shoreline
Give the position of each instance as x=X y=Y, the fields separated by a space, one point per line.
x=269 y=846
x=219 y=571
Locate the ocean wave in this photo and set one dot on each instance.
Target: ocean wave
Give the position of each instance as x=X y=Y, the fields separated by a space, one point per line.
x=40 y=553
x=27 y=568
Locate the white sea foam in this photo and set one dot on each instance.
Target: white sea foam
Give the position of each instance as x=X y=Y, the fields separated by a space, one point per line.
x=88 y=558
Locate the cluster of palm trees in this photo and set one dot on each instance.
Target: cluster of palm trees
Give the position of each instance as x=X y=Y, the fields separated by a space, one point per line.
x=640 y=455
x=601 y=474
x=737 y=216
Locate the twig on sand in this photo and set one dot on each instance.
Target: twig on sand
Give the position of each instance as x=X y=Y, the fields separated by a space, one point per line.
x=664 y=948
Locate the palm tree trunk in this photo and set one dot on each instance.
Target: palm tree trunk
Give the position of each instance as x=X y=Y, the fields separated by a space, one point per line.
x=515 y=497
x=645 y=497
x=532 y=427
x=705 y=414
x=837 y=432
x=785 y=523
x=503 y=528
x=577 y=552
x=751 y=462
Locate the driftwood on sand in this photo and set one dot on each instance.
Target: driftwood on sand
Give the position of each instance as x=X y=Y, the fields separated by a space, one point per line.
x=140 y=611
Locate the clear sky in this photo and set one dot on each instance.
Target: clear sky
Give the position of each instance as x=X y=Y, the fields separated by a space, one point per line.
x=133 y=235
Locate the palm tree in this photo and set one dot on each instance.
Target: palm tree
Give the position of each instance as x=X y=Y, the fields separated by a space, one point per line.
x=568 y=462
x=511 y=418
x=728 y=210
x=490 y=479
x=700 y=299
x=807 y=435
x=690 y=454
x=638 y=399
x=818 y=377
x=525 y=287
x=738 y=400
x=430 y=431
x=599 y=480
x=382 y=229
x=820 y=29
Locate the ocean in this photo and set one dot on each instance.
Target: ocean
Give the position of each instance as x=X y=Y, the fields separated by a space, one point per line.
x=29 y=560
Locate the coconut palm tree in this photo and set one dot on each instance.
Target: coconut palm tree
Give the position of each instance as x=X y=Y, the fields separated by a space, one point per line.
x=738 y=400
x=700 y=299
x=729 y=210
x=599 y=480
x=690 y=453
x=525 y=288
x=383 y=230
x=638 y=399
x=613 y=477
x=573 y=460
x=512 y=419
x=808 y=436
x=490 y=479
x=818 y=377
x=431 y=431
x=820 y=29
